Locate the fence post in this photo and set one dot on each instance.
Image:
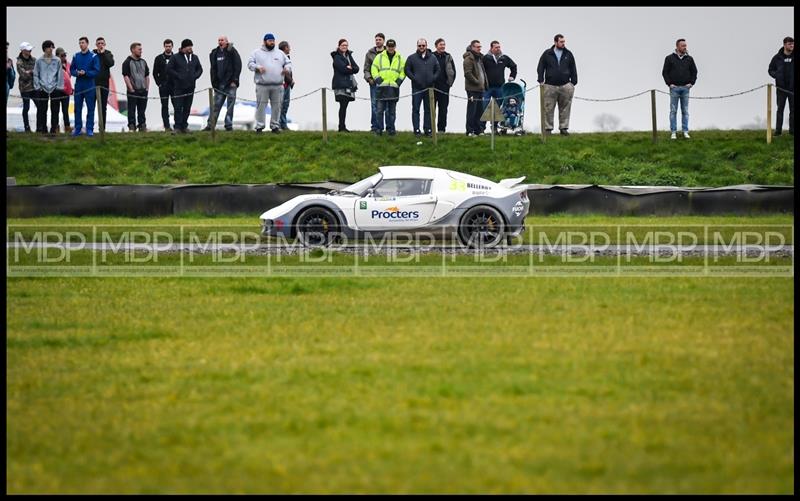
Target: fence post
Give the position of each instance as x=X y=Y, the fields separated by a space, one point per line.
x=211 y=114
x=541 y=111
x=101 y=120
x=491 y=125
x=653 y=112
x=433 y=113
x=769 y=113
x=324 y=115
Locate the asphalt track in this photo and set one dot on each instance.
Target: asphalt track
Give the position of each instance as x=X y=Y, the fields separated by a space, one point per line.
x=366 y=249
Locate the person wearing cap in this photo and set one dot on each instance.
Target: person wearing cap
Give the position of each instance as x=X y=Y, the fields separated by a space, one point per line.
x=270 y=67
x=11 y=74
x=84 y=67
x=25 y=65
x=225 y=66
x=183 y=71
x=388 y=71
x=48 y=81
x=64 y=98
x=103 y=77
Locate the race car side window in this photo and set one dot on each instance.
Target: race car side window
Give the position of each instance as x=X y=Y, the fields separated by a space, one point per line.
x=402 y=187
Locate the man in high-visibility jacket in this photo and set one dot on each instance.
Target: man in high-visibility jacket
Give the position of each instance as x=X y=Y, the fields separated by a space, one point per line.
x=388 y=72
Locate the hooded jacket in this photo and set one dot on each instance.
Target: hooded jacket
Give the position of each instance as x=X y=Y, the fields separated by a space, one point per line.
x=342 y=76
x=474 y=72
x=368 y=59
x=447 y=70
x=274 y=60
x=106 y=63
x=47 y=75
x=496 y=70
x=781 y=68
x=231 y=67
x=679 y=70
x=554 y=72
x=25 y=72
x=183 y=74
x=422 y=71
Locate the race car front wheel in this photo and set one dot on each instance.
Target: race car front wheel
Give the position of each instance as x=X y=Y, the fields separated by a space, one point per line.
x=316 y=227
x=482 y=226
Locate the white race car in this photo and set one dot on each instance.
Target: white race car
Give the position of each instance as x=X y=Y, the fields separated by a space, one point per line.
x=479 y=212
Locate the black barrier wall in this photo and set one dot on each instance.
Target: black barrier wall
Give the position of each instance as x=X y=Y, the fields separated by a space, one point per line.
x=164 y=200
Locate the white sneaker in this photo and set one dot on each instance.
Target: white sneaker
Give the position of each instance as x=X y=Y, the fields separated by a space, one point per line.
x=673 y=136
x=686 y=135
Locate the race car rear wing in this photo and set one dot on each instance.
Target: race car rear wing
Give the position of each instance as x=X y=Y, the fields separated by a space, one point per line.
x=510 y=183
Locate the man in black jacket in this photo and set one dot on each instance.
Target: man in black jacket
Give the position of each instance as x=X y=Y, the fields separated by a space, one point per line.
x=183 y=69
x=447 y=75
x=558 y=76
x=102 y=78
x=226 y=66
x=422 y=68
x=680 y=73
x=781 y=68
x=162 y=81
x=495 y=63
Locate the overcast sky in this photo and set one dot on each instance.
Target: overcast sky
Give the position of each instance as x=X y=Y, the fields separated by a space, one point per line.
x=618 y=50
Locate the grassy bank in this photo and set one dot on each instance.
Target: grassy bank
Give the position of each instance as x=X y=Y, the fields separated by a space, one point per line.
x=710 y=158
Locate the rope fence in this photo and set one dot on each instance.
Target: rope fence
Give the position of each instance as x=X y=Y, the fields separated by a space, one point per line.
x=430 y=91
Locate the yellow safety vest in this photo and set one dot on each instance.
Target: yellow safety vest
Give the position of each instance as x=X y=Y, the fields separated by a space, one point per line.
x=389 y=71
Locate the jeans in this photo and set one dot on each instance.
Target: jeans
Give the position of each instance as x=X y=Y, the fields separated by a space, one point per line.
x=26 y=107
x=287 y=91
x=103 y=104
x=137 y=104
x=497 y=95
x=220 y=96
x=680 y=93
x=387 y=109
x=420 y=96
x=64 y=102
x=373 y=93
x=84 y=95
x=273 y=94
x=442 y=100
x=182 y=105
x=474 y=111
x=781 y=102
x=41 y=111
x=165 y=93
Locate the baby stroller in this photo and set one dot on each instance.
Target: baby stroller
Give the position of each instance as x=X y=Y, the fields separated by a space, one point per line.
x=512 y=104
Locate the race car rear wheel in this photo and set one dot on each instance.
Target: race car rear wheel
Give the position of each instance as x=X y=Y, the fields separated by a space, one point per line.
x=316 y=227
x=481 y=227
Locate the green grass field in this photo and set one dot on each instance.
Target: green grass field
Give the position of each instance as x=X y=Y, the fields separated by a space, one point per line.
x=400 y=385
x=710 y=158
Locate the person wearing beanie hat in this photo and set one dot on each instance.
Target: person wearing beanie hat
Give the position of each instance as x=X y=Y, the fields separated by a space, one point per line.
x=183 y=71
x=25 y=64
x=270 y=67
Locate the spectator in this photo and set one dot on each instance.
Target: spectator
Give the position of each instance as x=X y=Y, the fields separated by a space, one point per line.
x=183 y=71
x=344 y=81
x=64 y=99
x=161 y=77
x=781 y=68
x=25 y=65
x=11 y=74
x=680 y=73
x=373 y=89
x=136 y=74
x=48 y=81
x=447 y=75
x=559 y=76
x=270 y=67
x=84 y=67
x=288 y=84
x=475 y=84
x=225 y=67
x=388 y=72
x=422 y=68
x=495 y=63
x=106 y=63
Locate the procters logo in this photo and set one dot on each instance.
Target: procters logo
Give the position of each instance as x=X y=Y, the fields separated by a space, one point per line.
x=393 y=213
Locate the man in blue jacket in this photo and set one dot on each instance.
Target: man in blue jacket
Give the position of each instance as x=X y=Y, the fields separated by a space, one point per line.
x=84 y=67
